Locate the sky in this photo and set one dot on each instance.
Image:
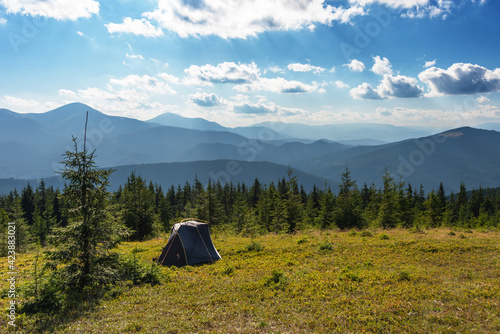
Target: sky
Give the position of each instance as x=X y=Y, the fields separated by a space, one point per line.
x=426 y=63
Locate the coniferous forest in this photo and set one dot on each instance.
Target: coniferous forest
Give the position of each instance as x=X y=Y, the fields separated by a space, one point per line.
x=147 y=210
x=72 y=236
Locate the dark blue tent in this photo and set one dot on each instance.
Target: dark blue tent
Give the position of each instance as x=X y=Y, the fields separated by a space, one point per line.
x=189 y=244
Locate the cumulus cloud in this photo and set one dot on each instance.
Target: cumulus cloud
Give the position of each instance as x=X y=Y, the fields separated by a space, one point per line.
x=297 y=67
x=136 y=27
x=128 y=96
x=341 y=84
x=482 y=100
x=256 y=109
x=264 y=107
x=245 y=77
x=365 y=92
x=461 y=78
x=144 y=83
x=277 y=85
x=382 y=66
x=356 y=65
x=55 y=9
x=430 y=63
x=206 y=100
x=399 y=86
x=3 y=21
x=244 y=18
x=227 y=72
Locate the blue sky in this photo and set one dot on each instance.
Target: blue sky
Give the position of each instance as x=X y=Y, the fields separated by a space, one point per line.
x=238 y=62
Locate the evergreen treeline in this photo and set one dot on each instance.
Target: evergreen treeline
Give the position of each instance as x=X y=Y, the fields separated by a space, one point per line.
x=146 y=209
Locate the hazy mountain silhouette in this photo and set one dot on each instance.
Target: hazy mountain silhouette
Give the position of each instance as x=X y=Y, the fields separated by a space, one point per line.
x=464 y=154
x=31 y=146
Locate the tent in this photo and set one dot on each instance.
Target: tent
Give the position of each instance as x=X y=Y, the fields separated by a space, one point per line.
x=189 y=244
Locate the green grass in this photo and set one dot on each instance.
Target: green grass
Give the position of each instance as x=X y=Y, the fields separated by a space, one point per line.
x=406 y=283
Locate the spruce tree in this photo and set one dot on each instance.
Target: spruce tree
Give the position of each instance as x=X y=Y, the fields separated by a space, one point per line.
x=81 y=248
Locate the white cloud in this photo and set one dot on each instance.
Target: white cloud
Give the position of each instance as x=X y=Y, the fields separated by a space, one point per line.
x=430 y=63
x=413 y=8
x=21 y=105
x=392 y=3
x=461 y=78
x=244 y=18
x=356 y=65
x=449 y=118
x=3 y=21
x=244 y=77
x=254 y=108
x=297 y=67
x=145 y=83
x=169 y=78
x=206 y=100
x=341 y=84
x=382 y=66
x=129 y=96
x=277 y=85
x=56 y=9
x=482 y=100
x=227 y=72
x=365 y=92
x=134 y=26
x=274 y=69
x=399 y=86
x=265 y=108
x=67 y=93
x=132 y=56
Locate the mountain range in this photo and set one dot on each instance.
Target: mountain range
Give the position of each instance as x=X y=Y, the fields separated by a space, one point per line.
x=171 y=149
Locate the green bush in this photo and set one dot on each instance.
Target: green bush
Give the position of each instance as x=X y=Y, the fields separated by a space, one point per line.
x=255 y=246
x=366 y=234
x=277 y=280
x=404 y=276
x=326 y=246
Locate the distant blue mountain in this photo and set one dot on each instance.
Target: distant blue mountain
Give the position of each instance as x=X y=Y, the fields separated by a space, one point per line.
x=31 y=147
x=460 y=155
x=365 y=133
x=170 y=119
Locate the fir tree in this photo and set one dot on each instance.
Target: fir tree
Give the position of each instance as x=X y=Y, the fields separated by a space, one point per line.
x=82 y=246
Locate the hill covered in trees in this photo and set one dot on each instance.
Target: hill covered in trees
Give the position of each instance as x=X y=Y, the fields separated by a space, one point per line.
x=258 y=208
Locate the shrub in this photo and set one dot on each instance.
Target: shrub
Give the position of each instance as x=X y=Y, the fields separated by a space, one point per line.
x=302 y=240
x=404 y=276
x=366 y=234
x=255 y=246
x=277 y=280
x=229 y=271
x=326 y=246
x=384 y=237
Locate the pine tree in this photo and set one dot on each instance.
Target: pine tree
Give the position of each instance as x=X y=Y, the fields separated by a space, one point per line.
x=138 y=207
x=325 y=217
x=434 y=208
x=388 y=211
x=347 y=213
x=85 y=242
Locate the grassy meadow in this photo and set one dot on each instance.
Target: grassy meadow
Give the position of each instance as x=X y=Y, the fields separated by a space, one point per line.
x=373 y=281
